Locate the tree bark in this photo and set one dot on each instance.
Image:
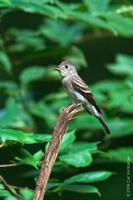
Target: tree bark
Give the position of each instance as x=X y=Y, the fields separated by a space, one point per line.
x=52 y=152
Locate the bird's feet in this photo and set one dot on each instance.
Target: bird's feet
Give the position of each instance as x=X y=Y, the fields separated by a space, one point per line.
x=77 y=105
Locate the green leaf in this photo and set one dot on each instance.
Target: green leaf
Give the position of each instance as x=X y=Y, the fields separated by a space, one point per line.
x=24 y=138
x=89 y=177
x=92 y=20
x=120 y=91
x=122 y=25
x=27 y=194
x=80 y=146
x=26 y=157
x=6 y=195
x=14 y=115
x=118 y=97
x=16 y=135
x=123 y=66
x=5 y=62
x=34 y=6
x=38 y=155
x=4 y=3
x=41 y=137
x=123 y=154
x=97 y=6
x=32 y=74
x=77 y=57
x=85 y=121
x=60 y=99
x=81 y=188
x=69 y=34
x=69 y=138
x=52 y=185
x=9 y=85
x=120 y=127
x=25 y=40
x=104 y=86
x=77 y=159
x=42 y=110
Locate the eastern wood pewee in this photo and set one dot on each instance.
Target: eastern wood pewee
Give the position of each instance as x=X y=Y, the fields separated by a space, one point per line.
x=79 y=91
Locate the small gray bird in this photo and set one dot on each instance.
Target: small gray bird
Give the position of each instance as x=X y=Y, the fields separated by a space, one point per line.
x=79 y=91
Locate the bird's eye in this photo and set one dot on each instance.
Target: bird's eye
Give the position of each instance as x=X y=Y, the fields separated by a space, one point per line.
x=66 y=66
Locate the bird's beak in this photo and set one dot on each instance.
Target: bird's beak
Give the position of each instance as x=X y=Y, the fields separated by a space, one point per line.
x=57 y=68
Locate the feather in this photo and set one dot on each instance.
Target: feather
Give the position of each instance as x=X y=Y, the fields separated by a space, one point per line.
x=80 y=86
x=104 y=125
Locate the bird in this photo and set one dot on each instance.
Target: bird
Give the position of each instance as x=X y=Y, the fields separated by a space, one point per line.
x=78 y=90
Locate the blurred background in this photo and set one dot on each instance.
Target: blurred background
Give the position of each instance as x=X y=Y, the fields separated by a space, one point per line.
x=97 y=37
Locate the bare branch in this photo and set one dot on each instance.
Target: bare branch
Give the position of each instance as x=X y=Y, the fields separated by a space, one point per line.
x=52 y=152
x=9 y=165
x=8 y=188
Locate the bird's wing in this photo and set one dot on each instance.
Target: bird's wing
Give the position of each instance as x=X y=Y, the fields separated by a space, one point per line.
x=83 y=89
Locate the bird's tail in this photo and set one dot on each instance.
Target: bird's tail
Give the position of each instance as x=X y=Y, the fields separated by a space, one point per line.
x=104 y=125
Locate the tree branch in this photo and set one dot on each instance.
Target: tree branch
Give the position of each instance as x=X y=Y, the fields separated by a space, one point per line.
x=9 y=165
x=9 y=188
x=52 y=152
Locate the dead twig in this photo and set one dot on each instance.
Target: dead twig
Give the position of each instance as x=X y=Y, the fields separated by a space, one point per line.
x=9 y=165
x=52 y=152
x=9 y=188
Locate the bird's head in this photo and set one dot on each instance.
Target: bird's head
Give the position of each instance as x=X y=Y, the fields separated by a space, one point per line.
x=66 y=69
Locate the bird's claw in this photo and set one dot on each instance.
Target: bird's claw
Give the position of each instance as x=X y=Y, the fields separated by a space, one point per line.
x=77 y=105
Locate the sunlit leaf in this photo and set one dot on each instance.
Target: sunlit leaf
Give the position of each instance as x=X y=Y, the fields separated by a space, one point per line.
x=77 y=159
x=26 y=193
x=38 y=155
x=89 y=177
x=25 y=138
x=16 y=135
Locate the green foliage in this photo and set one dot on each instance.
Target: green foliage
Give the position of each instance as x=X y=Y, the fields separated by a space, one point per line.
x=123 y=66
x=95 y=13
x=32 y=74
x=122 y=154
x=35 y=37
x=77 y=159
x=62 y=34
x=5 y=62
x=89 y=177
x=24 y=157
x=81 y=188
x=67 y=141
